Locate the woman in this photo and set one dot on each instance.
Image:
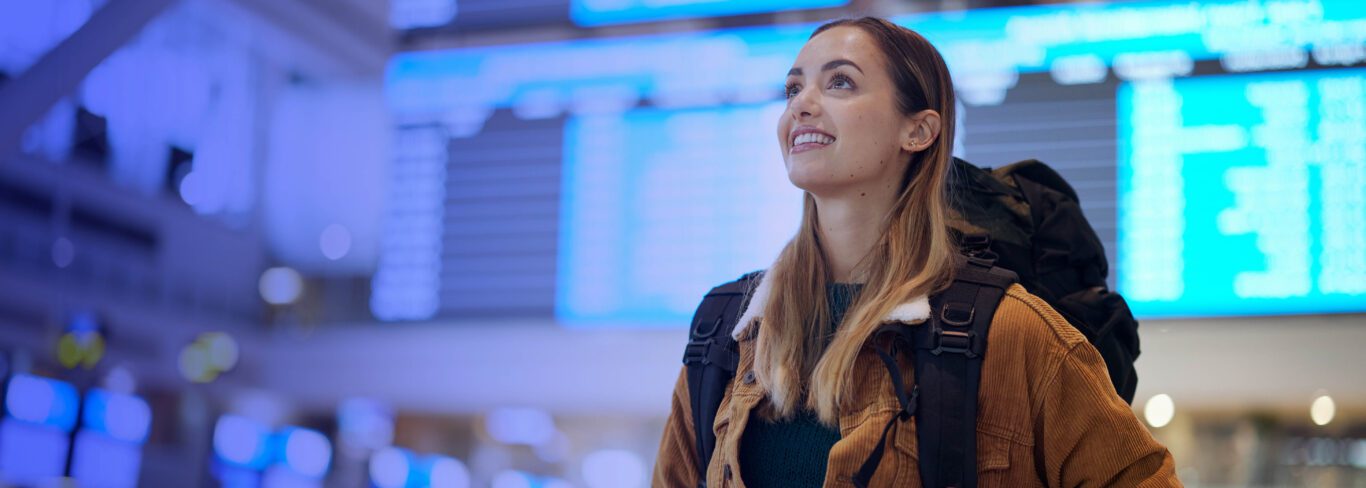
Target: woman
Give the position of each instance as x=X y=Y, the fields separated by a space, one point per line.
x=867 y=133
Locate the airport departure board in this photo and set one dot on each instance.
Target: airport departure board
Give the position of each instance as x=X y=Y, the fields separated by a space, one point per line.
x=1244 y=194
x=1216 y=148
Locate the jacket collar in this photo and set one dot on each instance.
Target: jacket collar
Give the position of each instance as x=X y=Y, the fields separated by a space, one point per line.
x=912 y=311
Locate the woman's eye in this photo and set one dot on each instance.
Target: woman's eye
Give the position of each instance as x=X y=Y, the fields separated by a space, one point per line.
x=791 y=90
x=841 y=81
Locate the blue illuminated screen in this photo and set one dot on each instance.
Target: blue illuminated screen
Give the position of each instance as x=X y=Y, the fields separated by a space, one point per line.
x=674 y=179
x=604 y=12
x=1244 y=194
x=603 y=182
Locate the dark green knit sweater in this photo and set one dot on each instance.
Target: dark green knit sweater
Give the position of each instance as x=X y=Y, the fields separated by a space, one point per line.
x=793 y=452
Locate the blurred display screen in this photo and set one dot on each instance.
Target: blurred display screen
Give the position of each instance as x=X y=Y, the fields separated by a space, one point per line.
x=649 y=208
x=1244 y=194
x=604 y=12
x=612 y=181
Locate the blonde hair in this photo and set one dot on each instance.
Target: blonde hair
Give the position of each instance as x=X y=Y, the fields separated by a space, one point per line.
x=913 y=257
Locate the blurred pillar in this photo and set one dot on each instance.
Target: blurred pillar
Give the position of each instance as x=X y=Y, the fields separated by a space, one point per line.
x=30 y=95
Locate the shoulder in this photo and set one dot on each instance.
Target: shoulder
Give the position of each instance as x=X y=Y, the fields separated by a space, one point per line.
x=1029 y=343
x=744 y=283
x=724 y=306
x=1024 y=316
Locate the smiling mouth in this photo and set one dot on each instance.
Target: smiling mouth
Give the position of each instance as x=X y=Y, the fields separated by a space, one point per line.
x=809 y=142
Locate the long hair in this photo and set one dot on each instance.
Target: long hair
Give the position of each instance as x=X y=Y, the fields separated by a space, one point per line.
x=913 y=257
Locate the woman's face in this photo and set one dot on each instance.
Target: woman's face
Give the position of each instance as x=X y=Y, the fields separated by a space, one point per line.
x=842 y=132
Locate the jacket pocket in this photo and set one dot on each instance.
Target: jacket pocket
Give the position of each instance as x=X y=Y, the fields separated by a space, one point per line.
x=993 y=453
x=859 y=434
x=993 y=458
x=994 y=461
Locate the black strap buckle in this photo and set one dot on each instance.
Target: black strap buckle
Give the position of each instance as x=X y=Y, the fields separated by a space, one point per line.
x=976 y=242
x=700 y=333
x=696 y=352
x=977 y=250
x=709 y=352
x=954 y=341
x=957 y=314
x=983 y=259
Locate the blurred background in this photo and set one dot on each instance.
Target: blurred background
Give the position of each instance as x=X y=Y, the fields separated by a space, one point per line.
x=454 y=243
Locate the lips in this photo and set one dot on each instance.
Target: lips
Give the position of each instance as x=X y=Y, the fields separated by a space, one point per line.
x=809 y=138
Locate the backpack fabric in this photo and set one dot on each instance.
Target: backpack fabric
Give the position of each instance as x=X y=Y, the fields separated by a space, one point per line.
x=1030 y=218
x=1019 y=223
x=711 y=358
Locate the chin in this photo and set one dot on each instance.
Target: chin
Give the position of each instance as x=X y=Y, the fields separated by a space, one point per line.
x=812 y=176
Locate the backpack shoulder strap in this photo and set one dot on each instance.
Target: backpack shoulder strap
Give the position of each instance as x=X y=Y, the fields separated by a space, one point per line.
x=948 y=351
x=711 y=358
x=948 y=368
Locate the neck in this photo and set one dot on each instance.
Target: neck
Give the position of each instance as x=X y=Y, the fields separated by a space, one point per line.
x=849 y=228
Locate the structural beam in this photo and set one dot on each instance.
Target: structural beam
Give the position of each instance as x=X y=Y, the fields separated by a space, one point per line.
x=28 y=97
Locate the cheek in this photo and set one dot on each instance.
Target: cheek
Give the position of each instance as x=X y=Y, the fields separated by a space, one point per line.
x=874 y=131
x=784 y=124
x=869 y=142
x=861 y=135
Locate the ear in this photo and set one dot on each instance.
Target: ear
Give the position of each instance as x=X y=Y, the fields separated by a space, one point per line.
x=920 y=130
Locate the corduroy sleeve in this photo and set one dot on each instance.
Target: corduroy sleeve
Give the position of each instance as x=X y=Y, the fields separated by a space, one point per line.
x=1088 y=436
x=675 y=466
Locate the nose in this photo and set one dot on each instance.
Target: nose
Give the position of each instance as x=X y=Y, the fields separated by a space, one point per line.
x=804 y=105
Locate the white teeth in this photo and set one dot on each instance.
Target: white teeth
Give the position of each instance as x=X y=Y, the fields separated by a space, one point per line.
x=813 y=137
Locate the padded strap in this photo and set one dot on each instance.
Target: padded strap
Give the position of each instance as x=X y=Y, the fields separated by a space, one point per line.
x=948 y=365
x=711 y=358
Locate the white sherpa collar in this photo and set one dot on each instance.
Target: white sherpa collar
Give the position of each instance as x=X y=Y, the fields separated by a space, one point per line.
x=913 y=311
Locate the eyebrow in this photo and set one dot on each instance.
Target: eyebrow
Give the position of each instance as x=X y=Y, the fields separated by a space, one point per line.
x=828 y=66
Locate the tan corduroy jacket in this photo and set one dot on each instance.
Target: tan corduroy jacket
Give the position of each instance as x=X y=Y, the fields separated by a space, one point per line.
x=1047 y=412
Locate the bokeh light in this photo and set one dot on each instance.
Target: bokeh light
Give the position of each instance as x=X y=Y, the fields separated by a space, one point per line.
x=42 y=401
x=528 y=426
x=513 y=479
x=63 y=252
x=1322 y=410
x=221 y=349
x=195 y=363
x=614 y=468
x=1159 y=410
x=365 y=423
x=120 y=380
x=335 y=241
x=306 y=451
x=281 y=286
x=449 y=472
x=389 y=467
x=241 y=441
x=121 y=416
